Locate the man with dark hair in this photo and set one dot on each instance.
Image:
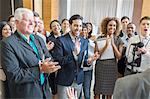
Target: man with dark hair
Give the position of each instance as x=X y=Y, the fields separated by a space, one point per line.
x=124 y=22
x=36 y=22
x=74 y=17
x=11 y=21
x=71 y=51
x=123 y=34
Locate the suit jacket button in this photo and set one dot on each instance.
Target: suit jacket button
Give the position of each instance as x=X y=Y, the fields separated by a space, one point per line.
x=75 y=71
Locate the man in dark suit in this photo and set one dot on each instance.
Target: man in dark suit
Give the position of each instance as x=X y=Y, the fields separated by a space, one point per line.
x=21 y=53
x=71 y=52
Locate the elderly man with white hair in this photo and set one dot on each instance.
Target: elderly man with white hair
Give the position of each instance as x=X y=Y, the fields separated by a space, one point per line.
x=26 y=60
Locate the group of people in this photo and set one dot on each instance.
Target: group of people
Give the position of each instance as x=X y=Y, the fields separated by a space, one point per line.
x=35 y=61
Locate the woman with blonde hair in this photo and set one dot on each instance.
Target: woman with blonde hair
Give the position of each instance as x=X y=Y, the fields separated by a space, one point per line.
x=109 y=48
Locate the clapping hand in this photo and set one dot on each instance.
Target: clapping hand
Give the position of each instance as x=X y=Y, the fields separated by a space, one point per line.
x=50 y=45
x=48 y=66
x=112 y=39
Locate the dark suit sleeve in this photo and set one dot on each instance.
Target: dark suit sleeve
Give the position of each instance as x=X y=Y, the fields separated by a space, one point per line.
x=61 y=56
x=10 y=64
x=43 y=46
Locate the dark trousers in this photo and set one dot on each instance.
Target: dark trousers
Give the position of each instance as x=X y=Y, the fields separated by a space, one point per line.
x=52 y=83
x=87 y=84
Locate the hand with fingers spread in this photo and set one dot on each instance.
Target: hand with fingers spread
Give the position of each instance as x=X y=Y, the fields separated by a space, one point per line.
x=50 y=45
x=48 y=66
x=72 y=93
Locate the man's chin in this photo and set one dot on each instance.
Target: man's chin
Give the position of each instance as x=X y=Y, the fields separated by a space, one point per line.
x=77 y=33
x=29 y=32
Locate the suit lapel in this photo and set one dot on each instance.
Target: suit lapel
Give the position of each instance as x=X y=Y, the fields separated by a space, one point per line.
x=24 y=43
x=81 y=46
x=38 y=45
x=71 y=44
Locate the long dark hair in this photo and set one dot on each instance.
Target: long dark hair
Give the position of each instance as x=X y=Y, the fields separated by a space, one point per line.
x=90 y=33
x=2 y=24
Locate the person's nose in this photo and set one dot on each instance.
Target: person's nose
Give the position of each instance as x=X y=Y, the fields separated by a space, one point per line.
x=8 y=31
x=32 y=23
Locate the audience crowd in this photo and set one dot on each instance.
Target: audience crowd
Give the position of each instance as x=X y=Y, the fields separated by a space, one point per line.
x=59 y=64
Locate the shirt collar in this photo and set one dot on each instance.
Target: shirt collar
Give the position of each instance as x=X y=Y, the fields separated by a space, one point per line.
x=25 y=38
x=56 y=36
x=73 y=37
x=142 y=37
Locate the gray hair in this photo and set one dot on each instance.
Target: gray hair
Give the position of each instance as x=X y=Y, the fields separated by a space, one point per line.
x=20 y=11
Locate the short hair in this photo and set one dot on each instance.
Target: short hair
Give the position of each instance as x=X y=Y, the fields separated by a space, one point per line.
x=11 y=16
x=84 y=25
x=36 y=14
x=144 y=18
x=105 y=22
x=20 y=11
x=75 y=17
x=52 y=22
x=131 y=24
x=64 y=20
x=125 y=17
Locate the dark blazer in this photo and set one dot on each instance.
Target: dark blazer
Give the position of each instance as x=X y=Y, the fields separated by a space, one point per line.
x=53 y=39
x=70 y=68
x=20 y=63
x=52 y=77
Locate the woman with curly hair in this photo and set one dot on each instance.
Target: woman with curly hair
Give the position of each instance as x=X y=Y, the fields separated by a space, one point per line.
x=106 y=71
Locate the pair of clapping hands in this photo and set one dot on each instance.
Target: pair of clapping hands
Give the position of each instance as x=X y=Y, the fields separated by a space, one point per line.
x=49 y=66
x=110 y=38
